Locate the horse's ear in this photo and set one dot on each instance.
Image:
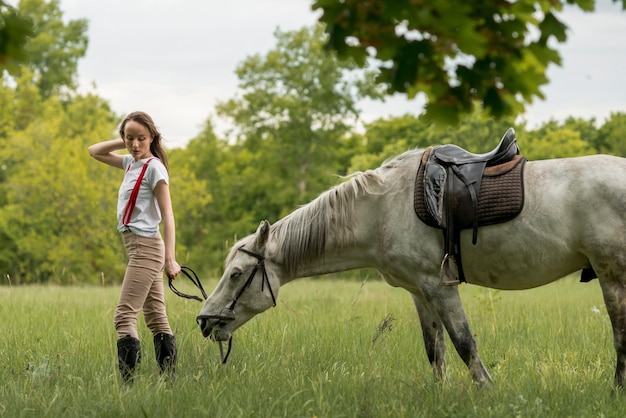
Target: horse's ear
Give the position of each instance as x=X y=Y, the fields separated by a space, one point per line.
x=262 y=234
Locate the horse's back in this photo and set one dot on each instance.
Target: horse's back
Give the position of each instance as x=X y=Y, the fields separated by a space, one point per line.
x=585 y=167
x=580 y=183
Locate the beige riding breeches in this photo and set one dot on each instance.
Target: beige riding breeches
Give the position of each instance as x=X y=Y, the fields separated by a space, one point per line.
x=142 y=288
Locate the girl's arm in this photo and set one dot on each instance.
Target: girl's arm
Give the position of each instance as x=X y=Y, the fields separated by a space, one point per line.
x=104 y=152
x=162 y=193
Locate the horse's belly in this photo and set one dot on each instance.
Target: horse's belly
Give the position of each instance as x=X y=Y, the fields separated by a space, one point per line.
x=519 y=261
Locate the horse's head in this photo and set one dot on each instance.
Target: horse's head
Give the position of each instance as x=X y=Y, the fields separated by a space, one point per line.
x=246 y=288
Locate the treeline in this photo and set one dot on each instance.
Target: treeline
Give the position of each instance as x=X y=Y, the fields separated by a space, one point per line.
x=293 y=135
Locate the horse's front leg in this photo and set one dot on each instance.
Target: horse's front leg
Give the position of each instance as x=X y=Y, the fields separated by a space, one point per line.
x=614 y=293
x=447 y=302
x=433 y=332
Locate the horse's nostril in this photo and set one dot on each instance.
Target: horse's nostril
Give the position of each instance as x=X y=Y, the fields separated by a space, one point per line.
x=205 y=327
x=206 y=324
x=210 y=324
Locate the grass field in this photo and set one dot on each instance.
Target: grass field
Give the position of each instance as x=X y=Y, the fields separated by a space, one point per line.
x=330 y=349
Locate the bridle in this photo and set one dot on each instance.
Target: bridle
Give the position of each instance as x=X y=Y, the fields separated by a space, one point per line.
x=230 y=311
x=259 y=265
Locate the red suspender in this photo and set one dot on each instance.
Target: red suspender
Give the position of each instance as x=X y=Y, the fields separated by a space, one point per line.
x=130 y=206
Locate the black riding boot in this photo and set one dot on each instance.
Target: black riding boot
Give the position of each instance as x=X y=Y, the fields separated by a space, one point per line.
x=128 y=355
x=165 y=351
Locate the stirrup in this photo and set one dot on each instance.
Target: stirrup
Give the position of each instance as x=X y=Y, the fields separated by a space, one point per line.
x=449 y=272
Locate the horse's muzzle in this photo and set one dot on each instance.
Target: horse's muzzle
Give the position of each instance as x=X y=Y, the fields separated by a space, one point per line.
x=210 y=325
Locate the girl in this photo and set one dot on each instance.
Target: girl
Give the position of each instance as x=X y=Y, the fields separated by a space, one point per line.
x=143 y=201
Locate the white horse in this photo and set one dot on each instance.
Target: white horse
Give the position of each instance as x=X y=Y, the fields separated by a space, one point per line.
x=573 y=218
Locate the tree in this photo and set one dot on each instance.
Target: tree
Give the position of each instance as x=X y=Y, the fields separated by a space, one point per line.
x=55 y=47
x=611 y=135
x=555 y=143
x=15 y=30
x=381 y=132
x=455 y=52
x=384 y=138
x=477 y=133
x=387 y=137
x=295 y=106
x=608 y=138
x=58 y=217
x=588 y=130
x=192 y=181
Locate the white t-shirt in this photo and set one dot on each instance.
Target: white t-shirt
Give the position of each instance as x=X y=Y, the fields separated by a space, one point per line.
x=146 y=216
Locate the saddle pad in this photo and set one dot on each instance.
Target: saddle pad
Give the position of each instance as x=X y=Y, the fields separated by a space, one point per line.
x=501 y=195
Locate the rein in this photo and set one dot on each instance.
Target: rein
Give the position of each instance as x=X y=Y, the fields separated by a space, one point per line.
x=198 y=284
x=194 y=280
x=265 y=279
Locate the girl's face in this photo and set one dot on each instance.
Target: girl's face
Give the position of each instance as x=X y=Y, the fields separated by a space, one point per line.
x=137 y=139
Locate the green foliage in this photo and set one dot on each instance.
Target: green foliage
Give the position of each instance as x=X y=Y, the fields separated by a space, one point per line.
x=385 y=138
x=53 y=50
x=192 y=179
x=611 y=135
x=454 y=52
x=557 y=144
x=383 y=132
x=292 y=117
x=15 y=29
x=588 y=130
x=575 y=137
x=57 y=221
x=299 y=97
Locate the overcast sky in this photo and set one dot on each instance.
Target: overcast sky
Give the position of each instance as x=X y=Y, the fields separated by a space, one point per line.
x=175 y=59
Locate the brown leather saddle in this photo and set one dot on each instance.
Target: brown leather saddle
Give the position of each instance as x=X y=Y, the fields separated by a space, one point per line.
x=456 y=189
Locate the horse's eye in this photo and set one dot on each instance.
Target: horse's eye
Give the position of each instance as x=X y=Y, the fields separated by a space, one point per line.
x=235 y=274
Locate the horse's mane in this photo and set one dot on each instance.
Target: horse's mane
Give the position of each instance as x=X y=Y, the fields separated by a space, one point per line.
x=302 y=235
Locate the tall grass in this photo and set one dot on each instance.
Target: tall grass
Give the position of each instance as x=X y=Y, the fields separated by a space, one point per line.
x=330 y=349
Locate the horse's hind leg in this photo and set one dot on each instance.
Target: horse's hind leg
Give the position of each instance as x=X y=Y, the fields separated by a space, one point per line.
x=614 y=292
x=433 y=332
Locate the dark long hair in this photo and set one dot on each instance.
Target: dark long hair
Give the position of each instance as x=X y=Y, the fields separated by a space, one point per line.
x=155 y=147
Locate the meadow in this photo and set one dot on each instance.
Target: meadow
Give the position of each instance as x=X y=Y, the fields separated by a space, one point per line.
x=331 y=348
